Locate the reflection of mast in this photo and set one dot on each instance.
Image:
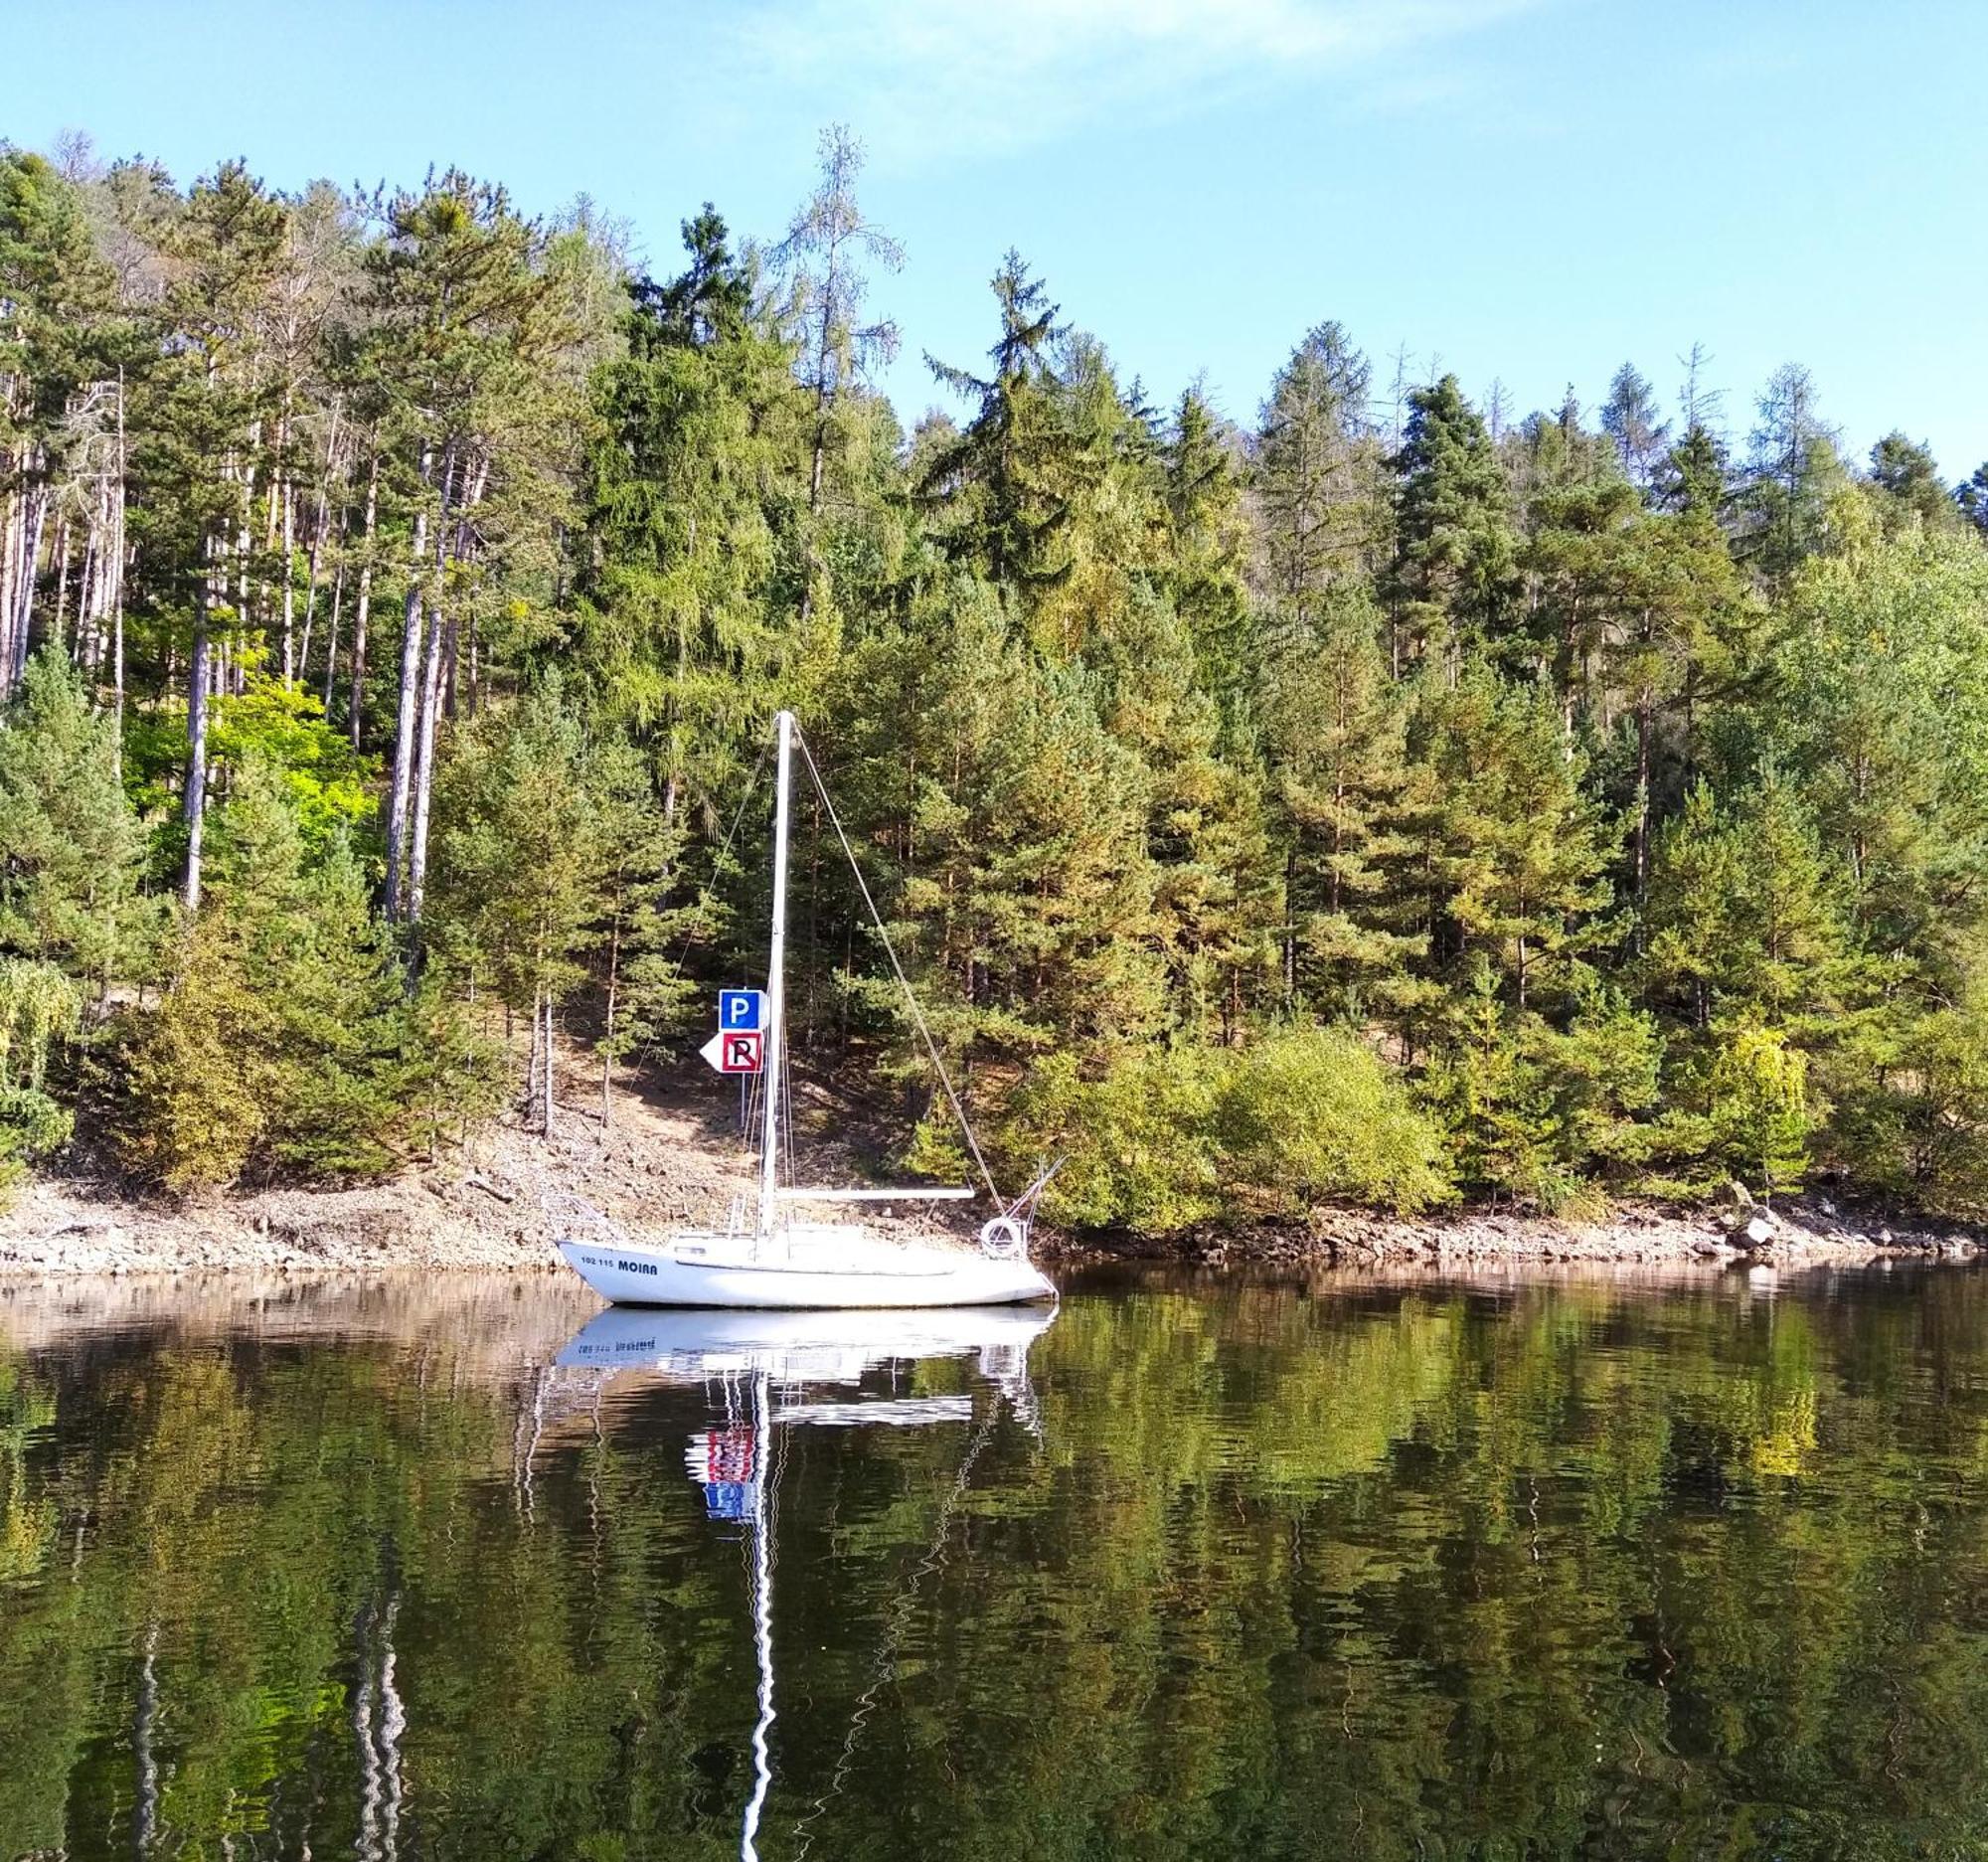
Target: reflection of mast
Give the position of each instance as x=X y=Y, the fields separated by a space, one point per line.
x=145 y=1818
x=379 y=1720
x=762 y=1611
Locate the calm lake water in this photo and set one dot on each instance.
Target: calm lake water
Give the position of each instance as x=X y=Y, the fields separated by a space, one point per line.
x=1202 y=1569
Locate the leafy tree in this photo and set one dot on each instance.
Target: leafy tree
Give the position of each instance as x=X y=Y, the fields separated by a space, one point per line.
x=1316 y=1115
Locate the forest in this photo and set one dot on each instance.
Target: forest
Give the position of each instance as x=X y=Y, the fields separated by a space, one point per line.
x=1376 y=798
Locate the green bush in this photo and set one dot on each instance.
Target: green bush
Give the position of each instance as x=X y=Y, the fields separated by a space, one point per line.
x=1137 y=1140
x=39 y=1007
x=1167 y=1138
x=1316 y=1115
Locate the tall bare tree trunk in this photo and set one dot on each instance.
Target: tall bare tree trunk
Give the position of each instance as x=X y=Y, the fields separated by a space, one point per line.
x=331 y=637
x=364 y=607
x=546 y=1120
x=317 y=545
x=59 y=632
x=408 y=719
x=195 y=800
x=289 y=580
x=35 y=508
x=418 y=839
x=117 y=587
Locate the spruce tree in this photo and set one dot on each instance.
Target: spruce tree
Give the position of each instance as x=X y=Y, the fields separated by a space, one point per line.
x=1630 y=418
x=1317 y=474
x=1450 y=584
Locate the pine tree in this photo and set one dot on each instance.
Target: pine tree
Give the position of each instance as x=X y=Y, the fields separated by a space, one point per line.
x=1907 y=476
x=1205 y=833
x=685 y=630
x=72 y=852
x=1971 y=498
x=824 y=252
x=1523 y=848
x=1333 y=729
x=1206 y=560
x=1794 y=468
x=283 y=1040
x=522 y=863
x=1743 y=921
x=1450 y=579
x=991 y=488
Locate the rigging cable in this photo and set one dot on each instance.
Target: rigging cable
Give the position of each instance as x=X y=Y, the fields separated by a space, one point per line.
x=885 y=1666
x=897 y=969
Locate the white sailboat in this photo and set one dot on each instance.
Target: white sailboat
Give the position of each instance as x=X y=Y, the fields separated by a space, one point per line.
x=783 y=1258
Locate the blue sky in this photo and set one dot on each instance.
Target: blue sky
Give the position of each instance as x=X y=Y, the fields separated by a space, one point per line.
x=1527 y=190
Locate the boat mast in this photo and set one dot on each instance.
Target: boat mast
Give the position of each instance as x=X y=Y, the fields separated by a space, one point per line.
x=771 y=1055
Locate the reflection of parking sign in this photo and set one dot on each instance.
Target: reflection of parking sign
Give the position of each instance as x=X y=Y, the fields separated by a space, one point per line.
x=740 y=1008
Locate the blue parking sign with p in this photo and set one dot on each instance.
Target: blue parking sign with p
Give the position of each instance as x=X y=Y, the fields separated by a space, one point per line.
x=740 y=1009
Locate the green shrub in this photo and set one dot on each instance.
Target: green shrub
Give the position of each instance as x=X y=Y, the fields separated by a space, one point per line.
x=39 y=1007
x=1316 y=1115
x=1137 y=1140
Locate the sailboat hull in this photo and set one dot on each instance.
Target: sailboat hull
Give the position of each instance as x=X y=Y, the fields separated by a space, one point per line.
x=816 y=1269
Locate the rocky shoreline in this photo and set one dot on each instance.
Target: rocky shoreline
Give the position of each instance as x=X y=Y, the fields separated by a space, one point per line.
x=498 y=1206
x=1807 y=1232
x=499 y=1213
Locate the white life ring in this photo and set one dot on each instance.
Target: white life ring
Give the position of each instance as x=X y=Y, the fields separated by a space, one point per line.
x=1004 y=1239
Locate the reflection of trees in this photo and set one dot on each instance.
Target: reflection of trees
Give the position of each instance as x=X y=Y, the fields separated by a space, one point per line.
x=1291 y=1573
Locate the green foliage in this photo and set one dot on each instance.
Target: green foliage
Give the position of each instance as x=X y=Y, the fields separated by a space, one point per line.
x=1745 y=1111
x=1536 y=1112
x=1162 y=1139
x=283 y=728
x=1546 y=757
x=1451 y=579
x=38 y=1008
x=71 y=853
x=286 y=1038
x=521 y=850
x=1137 y=1140
x=1315 y=1115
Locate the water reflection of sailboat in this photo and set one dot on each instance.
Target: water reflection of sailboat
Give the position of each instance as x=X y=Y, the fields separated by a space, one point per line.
x=762 y=1363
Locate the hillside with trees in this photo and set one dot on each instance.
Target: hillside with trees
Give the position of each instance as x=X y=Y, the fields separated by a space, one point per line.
x=1372 y=797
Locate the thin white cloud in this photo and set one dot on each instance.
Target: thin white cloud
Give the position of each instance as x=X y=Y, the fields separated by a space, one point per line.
x=951 y=78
